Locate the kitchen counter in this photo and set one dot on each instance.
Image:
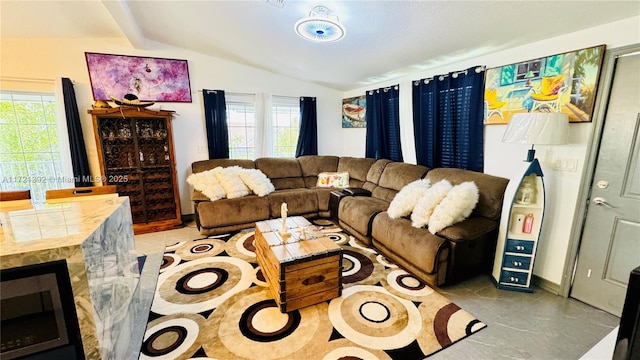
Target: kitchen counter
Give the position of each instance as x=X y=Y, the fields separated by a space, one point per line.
x=96 y=239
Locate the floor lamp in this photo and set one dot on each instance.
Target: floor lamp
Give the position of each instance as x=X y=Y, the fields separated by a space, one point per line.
x=524 y=207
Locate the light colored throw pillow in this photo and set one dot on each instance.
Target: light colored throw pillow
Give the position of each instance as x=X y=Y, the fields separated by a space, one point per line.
x=257 y=181
x=207 y=183
x=333 y=179
x=428 y=202
x=229 y=179
x=455 y=207
x=406 y=199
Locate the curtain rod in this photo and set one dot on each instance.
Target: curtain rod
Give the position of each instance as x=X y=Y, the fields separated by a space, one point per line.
x=240 y=94
x=385 y=89
x=454 y=74
x=24 y=79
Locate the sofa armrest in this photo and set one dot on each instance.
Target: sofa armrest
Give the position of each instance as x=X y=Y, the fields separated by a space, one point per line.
x=197 y=196
x=353 y=191
x=468 y=229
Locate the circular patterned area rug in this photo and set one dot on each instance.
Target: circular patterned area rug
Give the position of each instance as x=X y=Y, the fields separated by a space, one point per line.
x=212 y=301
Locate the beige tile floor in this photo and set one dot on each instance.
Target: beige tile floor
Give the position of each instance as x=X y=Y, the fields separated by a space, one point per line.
x=538 y=325
x=155 y=242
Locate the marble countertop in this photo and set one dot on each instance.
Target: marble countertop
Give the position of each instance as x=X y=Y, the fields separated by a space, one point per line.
x=49 y=226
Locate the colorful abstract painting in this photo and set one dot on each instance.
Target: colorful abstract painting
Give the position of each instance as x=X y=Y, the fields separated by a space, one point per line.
x=150 y=79
x=565 y=82
x=353 y=112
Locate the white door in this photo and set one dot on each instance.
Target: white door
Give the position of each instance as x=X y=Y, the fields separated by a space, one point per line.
x=610 y=245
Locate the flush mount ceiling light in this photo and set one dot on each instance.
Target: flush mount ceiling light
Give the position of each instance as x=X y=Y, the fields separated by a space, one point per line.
x=320 y=26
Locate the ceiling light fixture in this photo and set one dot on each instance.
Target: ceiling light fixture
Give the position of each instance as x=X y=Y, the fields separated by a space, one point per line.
x=320 y=26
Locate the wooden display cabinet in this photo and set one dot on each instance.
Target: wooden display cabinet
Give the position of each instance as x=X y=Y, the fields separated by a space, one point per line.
x=135 y=151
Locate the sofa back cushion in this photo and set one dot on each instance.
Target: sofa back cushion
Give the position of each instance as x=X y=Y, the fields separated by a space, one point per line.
x=203 y=165
x=285 y=173
x=374 y=173
x=312 y=165
x=394 y=177
x=491 y=188
x=357 y=169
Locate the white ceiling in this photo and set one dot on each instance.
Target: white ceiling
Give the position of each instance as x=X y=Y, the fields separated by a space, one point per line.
x=384 y=40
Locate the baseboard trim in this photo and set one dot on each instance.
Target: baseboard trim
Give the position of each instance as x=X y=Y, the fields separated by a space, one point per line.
x=546 y=285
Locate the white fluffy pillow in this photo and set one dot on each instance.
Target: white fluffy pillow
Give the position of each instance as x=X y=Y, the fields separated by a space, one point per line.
x=257 y=181
x=428 y=202
x=455 y=207
x=206 y=183
x=406 y=199
x=229 y=179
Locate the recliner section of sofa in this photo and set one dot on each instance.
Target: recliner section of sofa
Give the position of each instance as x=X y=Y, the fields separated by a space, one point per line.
x=455 y=253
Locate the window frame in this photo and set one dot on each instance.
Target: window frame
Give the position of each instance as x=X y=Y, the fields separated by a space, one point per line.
x=265 y=110
x=290 y=103
x=62 y=174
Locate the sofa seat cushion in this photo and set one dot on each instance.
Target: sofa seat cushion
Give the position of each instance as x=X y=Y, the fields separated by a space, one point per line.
x=468 y=229
x=415 y=245
x=233 y=211
x=358 y=211
x=299 y=202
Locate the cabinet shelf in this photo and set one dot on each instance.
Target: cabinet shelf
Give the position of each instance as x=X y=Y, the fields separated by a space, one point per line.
x=529 y=237
x=125 y=148
x=527 y=206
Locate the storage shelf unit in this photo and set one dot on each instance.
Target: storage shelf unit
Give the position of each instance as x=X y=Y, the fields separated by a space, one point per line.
x=520 y=230
x=135 y=150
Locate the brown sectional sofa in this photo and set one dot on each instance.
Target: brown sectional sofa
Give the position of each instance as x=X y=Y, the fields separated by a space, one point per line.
x=455 y=253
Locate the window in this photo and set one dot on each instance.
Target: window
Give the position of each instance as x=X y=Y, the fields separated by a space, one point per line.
x=243 y=122
x=286 y=126
x=30 y=156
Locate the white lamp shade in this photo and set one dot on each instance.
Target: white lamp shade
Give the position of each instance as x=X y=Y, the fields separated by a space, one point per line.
x=537 y=128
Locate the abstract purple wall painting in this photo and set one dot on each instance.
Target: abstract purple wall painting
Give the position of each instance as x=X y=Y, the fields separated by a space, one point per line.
x=150 y=79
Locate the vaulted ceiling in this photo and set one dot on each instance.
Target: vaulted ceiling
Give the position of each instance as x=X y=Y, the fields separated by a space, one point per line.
x=384 y=39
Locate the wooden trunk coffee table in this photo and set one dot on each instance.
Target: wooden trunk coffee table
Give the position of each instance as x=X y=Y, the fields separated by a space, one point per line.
x=300 y=270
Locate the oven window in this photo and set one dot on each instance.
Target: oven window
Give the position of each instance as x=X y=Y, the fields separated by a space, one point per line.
x=27 y=320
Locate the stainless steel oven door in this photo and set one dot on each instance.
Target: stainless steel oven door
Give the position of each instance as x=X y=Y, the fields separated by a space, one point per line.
x=32 y=316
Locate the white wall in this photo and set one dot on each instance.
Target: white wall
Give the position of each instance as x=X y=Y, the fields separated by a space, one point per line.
x=562 y=186
x=54 y=58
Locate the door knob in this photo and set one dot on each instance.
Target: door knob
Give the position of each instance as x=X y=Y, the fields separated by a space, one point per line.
x=601 y=201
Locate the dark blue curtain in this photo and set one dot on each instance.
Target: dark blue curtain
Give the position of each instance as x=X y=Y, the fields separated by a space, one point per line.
x=215 y=114
x=79 y=162
x=383 y=124
x=448 y=120
x=308 y=137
